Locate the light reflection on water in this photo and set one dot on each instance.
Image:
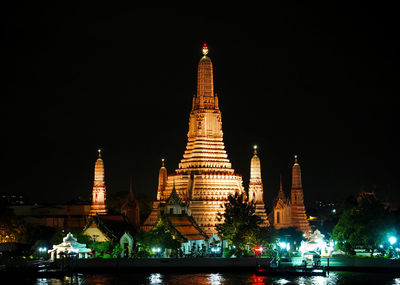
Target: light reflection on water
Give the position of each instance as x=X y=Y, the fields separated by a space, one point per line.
x=219 y=279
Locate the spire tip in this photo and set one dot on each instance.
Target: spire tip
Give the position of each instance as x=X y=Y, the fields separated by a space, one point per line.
x=205 y=49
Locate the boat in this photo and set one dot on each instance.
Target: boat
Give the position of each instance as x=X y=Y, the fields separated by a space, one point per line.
x=285 y=267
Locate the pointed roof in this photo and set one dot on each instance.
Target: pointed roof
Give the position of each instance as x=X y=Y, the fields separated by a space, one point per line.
x=255 y=167
x=99 y=168
x=69 y=238
x=131 y=197
x=174 y=198
x=205 y=97
x=296 y=175
x=281 y=194
x=162 y=180
x=112 y=226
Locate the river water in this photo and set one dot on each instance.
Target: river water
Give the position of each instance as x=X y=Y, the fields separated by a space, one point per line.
x=217 y=279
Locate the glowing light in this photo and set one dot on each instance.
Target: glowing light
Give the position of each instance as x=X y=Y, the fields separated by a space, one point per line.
x=215 y=279
x=392 y=240
x=381 y=246
x=258 y=249
x=205 y=49
x=155 y=278
x=215 y=249
x=282 y=244
x=155 y=249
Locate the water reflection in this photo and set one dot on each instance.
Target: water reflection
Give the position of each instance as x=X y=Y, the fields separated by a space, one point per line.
x=225 y=278
x=257 y=280
x=282 y=281
x=215 y=279
x=155 y=278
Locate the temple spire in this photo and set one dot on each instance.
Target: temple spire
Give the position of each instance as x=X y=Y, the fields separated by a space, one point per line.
x=98 y=206
x=296 y=174
x=205 y=49
x=298 y=211
x=281 y=194
x=162 y=180
x=204 y=98
x=256 y=187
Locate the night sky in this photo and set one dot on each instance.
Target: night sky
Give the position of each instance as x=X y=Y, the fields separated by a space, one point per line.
x=316 y=80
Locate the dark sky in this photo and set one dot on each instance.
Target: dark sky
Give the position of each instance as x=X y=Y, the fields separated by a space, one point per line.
x=317 y=79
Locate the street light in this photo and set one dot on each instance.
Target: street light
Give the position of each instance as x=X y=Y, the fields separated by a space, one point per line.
x=392 y=240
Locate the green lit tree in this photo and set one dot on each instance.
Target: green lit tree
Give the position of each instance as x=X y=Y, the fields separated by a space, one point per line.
x=365 y=223
x=240 y=225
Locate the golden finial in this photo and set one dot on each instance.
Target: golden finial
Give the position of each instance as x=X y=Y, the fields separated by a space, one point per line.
x=255 y=149
x=99 y=150
x=205 y=49
x=162 y=162
x=295 y=158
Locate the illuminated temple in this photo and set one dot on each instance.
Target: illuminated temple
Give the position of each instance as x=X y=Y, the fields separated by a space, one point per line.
x=98 y=206
x=205 y=177
x=256 y=191
x=291 y=212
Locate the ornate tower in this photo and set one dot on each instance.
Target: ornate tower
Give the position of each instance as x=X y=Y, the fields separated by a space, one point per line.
x=156 y=207
x=282 y=216
x=130 y=208
x=256 y=187
x=162 y=180
x=99 y=189
x=298 y=211
x=205 y=177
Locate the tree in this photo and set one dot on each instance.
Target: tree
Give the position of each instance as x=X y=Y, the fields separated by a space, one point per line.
x=240 y=225
x=290 y=234
x=12 y=229
x=364 y=223
x=159 y=236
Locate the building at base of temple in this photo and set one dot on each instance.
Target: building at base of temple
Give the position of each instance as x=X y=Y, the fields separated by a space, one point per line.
x=176 y=216
x=69 y=248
